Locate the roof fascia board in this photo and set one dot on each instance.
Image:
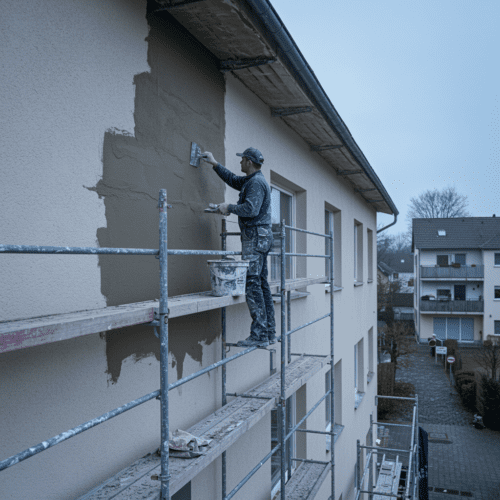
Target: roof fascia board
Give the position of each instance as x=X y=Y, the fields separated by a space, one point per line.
x=275 y=32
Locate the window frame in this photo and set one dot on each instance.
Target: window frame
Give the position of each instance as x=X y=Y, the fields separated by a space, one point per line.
x=495 y=259
x=495 y=289
x=495 y=324
x=274 y=261
x=331 y=228
x=276 y=480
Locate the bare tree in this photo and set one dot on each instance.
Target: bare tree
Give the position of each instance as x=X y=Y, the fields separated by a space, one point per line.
x=388 y=244
x=398 y=341
x=386 y=292
x=488 y=357
x=437 y=204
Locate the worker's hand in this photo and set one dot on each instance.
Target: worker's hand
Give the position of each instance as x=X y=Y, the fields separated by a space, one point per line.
x=223 y=208
x=209 y=158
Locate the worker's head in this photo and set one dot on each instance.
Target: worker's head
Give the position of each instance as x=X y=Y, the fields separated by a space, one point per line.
x=251 y=158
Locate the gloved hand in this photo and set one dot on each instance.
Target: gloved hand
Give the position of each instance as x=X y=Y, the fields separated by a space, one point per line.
x=223 y=209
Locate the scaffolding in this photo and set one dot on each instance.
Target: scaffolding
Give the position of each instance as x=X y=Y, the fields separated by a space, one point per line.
x=173 y=474
x=394 y=457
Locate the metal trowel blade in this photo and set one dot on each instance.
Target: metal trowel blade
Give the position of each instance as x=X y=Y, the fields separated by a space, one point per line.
x=194 y=159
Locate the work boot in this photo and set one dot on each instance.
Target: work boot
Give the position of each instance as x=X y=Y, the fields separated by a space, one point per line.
x=253 y=341
x=273 y=339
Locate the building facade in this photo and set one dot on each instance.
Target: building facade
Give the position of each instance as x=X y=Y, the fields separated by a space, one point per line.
x=105 y=99
x=457 y=263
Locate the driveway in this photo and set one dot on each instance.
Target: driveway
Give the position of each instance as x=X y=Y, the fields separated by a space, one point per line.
x=464 y=462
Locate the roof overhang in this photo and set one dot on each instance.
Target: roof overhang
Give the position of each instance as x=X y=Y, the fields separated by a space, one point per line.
x=248 y=38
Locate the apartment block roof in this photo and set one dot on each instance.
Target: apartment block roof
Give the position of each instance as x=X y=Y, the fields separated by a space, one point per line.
x=461 y=233
x=248 y=38
x=399 y=262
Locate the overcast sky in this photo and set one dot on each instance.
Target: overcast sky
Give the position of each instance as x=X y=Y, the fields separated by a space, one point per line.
x=418 y=85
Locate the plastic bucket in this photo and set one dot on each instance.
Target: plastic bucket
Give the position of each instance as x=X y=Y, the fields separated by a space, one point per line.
x=228 y=277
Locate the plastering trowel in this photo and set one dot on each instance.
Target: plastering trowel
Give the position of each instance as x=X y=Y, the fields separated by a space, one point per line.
x=213 y=208
x=196 y=155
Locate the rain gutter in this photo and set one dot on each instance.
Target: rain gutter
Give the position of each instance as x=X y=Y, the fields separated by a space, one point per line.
x=277 y=35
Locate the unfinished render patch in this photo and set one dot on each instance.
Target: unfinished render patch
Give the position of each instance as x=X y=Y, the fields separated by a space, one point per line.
x=181 y=100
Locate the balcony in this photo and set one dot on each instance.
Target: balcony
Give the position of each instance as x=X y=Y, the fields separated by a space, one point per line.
x=452 y=306
x=452 y=272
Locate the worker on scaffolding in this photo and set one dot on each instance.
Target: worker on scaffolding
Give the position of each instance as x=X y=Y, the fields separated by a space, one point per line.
x=254 y=218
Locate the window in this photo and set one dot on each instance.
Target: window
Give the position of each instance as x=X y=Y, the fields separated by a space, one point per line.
x=358 y=252
x=359 y=370
x=290 y=447
x=411 y=282
x=497 y=259
x=460 y=259
x=442 y=260
x=395 y=276
x=370 y=350
x=497 y=293
x=461 y=329
x=328 y=398
x=443 y=293
x=497 y=327
x=333 y=222
x=355 y=252
x=369 y=235
x=441 y=232
x=329 y=227
x=282 y=207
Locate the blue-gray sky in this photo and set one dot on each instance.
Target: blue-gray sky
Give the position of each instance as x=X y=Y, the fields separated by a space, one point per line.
x=418 y=85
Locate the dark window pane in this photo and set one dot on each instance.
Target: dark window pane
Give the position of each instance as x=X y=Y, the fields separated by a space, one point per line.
x=442 y=260
x=497 y=259
x=497 y=292
x=460 y=258
x=497 y=327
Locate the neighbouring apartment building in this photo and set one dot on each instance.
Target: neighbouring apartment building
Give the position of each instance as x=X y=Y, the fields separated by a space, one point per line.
x=398 y=266
x=457 y=286
x=102 y=101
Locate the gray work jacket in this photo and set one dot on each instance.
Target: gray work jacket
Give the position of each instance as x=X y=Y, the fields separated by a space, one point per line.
x=254 y=203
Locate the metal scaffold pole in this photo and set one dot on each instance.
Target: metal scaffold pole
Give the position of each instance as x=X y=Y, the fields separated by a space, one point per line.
x=282 y=407
x=223 y=333
x=163 y=319
x=332 y=368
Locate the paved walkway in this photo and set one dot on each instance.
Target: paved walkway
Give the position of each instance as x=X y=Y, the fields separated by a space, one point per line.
x=438 y=403
x=466 y=461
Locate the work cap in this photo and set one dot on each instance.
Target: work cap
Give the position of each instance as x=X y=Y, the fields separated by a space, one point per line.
x=252 y=154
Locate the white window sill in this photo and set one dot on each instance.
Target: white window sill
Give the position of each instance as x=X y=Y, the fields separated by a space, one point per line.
x=370 y=281
x=358 y=398
x=337 y=429
x=335 y=288
x=358 y=283
x=369 y=377
x=293 y=296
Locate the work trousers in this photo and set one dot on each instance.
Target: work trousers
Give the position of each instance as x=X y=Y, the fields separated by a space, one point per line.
x=256 y=243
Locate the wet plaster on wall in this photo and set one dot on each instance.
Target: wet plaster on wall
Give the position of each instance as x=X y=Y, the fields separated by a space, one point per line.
x=180 y=100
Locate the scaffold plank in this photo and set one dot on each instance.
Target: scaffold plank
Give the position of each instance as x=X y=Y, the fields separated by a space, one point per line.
x=388 y=479
x=306 y=481
x=224 y=427
x=23 y=333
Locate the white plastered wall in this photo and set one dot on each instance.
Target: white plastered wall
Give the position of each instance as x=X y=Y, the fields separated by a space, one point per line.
x=248 y=123
x=491 y=306
x=67 y=77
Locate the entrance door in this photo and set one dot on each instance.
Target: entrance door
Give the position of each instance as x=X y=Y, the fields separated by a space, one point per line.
x=459 y=292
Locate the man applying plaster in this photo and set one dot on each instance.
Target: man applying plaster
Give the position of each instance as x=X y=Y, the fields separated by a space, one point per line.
x=254 y=218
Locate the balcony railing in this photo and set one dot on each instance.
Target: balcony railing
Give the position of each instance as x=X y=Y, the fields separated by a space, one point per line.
x=460 y=306
x=452 y=272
